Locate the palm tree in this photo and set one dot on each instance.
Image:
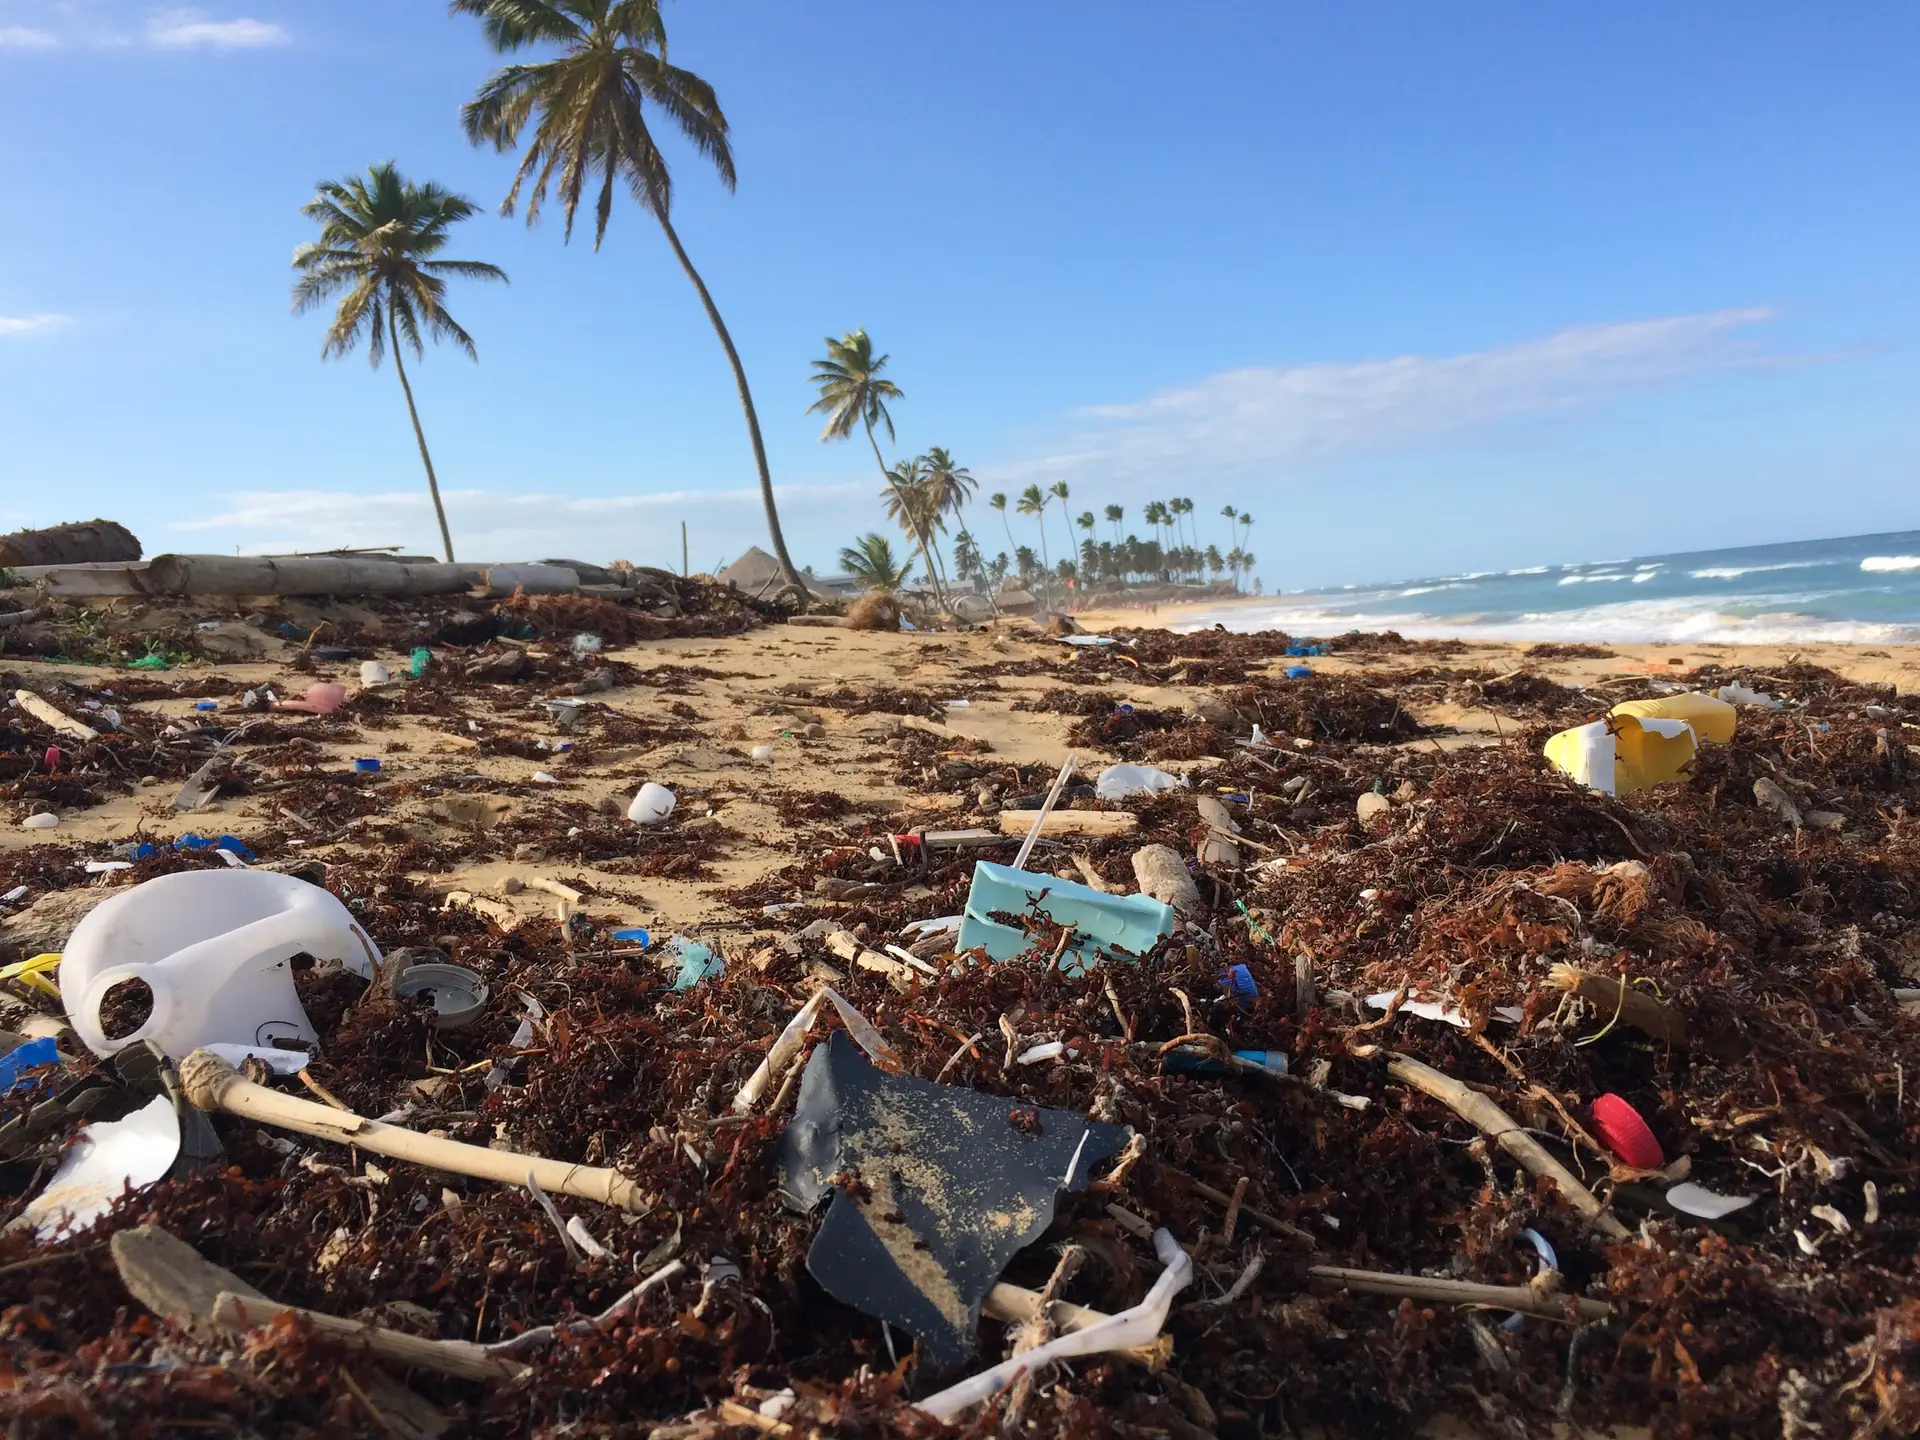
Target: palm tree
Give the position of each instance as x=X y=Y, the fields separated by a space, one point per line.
x=999 y=502
x=910 y=503
x=1033 y=502
x=870 y=561
x=1086 y=522
x=1058 y=490
x=1114 y=515
x=587 y=107
x=378 y=236
x=950 y=486
x=1230 y=515
x=853 y=391
x=966 y=556
x=1155 y=514
x=1215 y=561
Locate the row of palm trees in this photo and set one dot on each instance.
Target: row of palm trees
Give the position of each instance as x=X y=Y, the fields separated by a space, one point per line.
x=920 y=496
x=583 y=116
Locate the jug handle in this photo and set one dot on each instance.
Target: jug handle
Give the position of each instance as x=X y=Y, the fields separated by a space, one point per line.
x=96 y=995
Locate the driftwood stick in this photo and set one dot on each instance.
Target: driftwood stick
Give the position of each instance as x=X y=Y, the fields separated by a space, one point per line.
x=1015 y=1304
x=1259 y=1217
x=446 y=1357
x=1470 y=1105
x=1547 y=1305
x=212 y=1084
x=1616 y=996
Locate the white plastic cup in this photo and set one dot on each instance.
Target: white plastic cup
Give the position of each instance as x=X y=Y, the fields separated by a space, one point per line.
x=372 y=672
x=652 y=805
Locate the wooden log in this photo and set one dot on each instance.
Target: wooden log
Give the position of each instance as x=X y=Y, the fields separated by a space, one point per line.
x=212 y=1084
x=79 y=543
x=297 y=575
x=1099 y=823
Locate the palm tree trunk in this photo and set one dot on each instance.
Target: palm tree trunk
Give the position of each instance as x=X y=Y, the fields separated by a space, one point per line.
x=787 y=571
x=912 y=523
x=433 y=483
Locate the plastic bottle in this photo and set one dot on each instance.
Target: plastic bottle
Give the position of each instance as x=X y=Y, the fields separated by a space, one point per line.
x=653 y=804
x=215 y=948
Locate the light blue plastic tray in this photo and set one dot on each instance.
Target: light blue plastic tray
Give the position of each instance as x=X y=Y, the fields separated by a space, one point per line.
x=1106 y=923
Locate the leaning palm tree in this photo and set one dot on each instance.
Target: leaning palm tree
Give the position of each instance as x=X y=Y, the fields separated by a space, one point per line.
x=910 y=502
x=379 y=234
x=953 y=485
x=870 y=561
x=1230 y=515
x=854 y=392
x=1058 y=490
x=1114 y=515
x=587 y=107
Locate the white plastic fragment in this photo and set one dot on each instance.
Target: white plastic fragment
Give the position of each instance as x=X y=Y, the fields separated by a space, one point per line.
x=541 y=777
x=1052 y=1050
x=42 y=821
x=762 y=753
x=279 y=1061
x=1445 y=1014
x=1691 y=1199
x=1737 y=694
x=583 y=1237
x=1117 y=782
x=1128 y=1330
x=102 y=1165
x=653 y=804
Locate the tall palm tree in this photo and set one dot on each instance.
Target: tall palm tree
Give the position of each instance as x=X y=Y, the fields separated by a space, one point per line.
x=379 y=234
x=950 y=486
x=587 y=107
x=1155 y=514
x=1230 y=515
x=870 y=560
x=998 y=503
x=910 y=504
x=1058 y=490
x=1034 y=502
x=1114 y=515
x=854 y=392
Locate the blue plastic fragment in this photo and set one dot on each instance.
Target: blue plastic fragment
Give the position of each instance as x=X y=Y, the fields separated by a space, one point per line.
x=1239 y=981
x=200 y=842
x=366 y=765
x=1124 y=925
x=1203 y=1064
x=635 y=934
x=26 y=1057
x=1297 y=672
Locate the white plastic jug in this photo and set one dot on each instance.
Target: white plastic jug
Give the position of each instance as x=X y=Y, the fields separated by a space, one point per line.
x=652 y=805
x=216 y=949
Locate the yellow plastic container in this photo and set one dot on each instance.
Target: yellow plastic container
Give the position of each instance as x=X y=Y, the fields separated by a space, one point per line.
x=1641 y=742
x=1711 y=718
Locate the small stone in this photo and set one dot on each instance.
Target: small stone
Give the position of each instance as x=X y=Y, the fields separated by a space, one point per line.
x=612 y=805
x=1162 y=874
x=815 y=732
x=1370 y=805
x=513 y=885
x=147 y=780
x=1826 y=819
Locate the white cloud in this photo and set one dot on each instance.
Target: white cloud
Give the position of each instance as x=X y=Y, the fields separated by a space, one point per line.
x=1268 y=417
x=30 y=324
x=488 y=525
x=186 y=29
x=25 y=37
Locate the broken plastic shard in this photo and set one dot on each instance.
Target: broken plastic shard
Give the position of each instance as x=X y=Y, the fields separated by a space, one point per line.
x=1690 y=1199
x=697 y=963
x=1103 y=924
x=1117 y=782
x=931 y=1189
x=104 y=1163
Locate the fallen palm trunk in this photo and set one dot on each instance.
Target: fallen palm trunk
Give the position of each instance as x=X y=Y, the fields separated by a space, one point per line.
x=84 y=542
x=212 y=1084
x=1615 y=995
x=1525 y=1299
x=297 y=575
x=1472 y=1106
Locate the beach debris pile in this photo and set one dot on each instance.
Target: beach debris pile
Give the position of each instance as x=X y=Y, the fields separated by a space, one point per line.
x=1353 y=1081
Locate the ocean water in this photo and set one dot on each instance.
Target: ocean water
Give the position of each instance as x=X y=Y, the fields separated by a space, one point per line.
x=1861 y=589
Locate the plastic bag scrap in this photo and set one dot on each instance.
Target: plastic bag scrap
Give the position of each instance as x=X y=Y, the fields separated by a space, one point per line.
x=101 y=1165
x=1641 y=743
x=1129 y=1330
x=1117 y=782
x=953 y=1184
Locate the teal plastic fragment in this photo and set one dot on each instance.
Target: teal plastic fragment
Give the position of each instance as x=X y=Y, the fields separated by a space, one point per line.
x=1106 y=925
x=697 y=963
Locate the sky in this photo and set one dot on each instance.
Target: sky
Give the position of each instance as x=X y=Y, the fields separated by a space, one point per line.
x=1423 y=288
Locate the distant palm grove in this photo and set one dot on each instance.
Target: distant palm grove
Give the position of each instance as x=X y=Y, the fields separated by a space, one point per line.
x=579 y=119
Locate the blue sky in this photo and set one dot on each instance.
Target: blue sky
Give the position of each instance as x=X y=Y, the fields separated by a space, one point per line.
x=1426 y=288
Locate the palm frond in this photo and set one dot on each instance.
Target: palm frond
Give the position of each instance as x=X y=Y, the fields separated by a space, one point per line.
x=514 y=24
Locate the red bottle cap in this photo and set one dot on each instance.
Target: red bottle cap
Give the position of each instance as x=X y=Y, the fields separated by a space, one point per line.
x=1626 y=1134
